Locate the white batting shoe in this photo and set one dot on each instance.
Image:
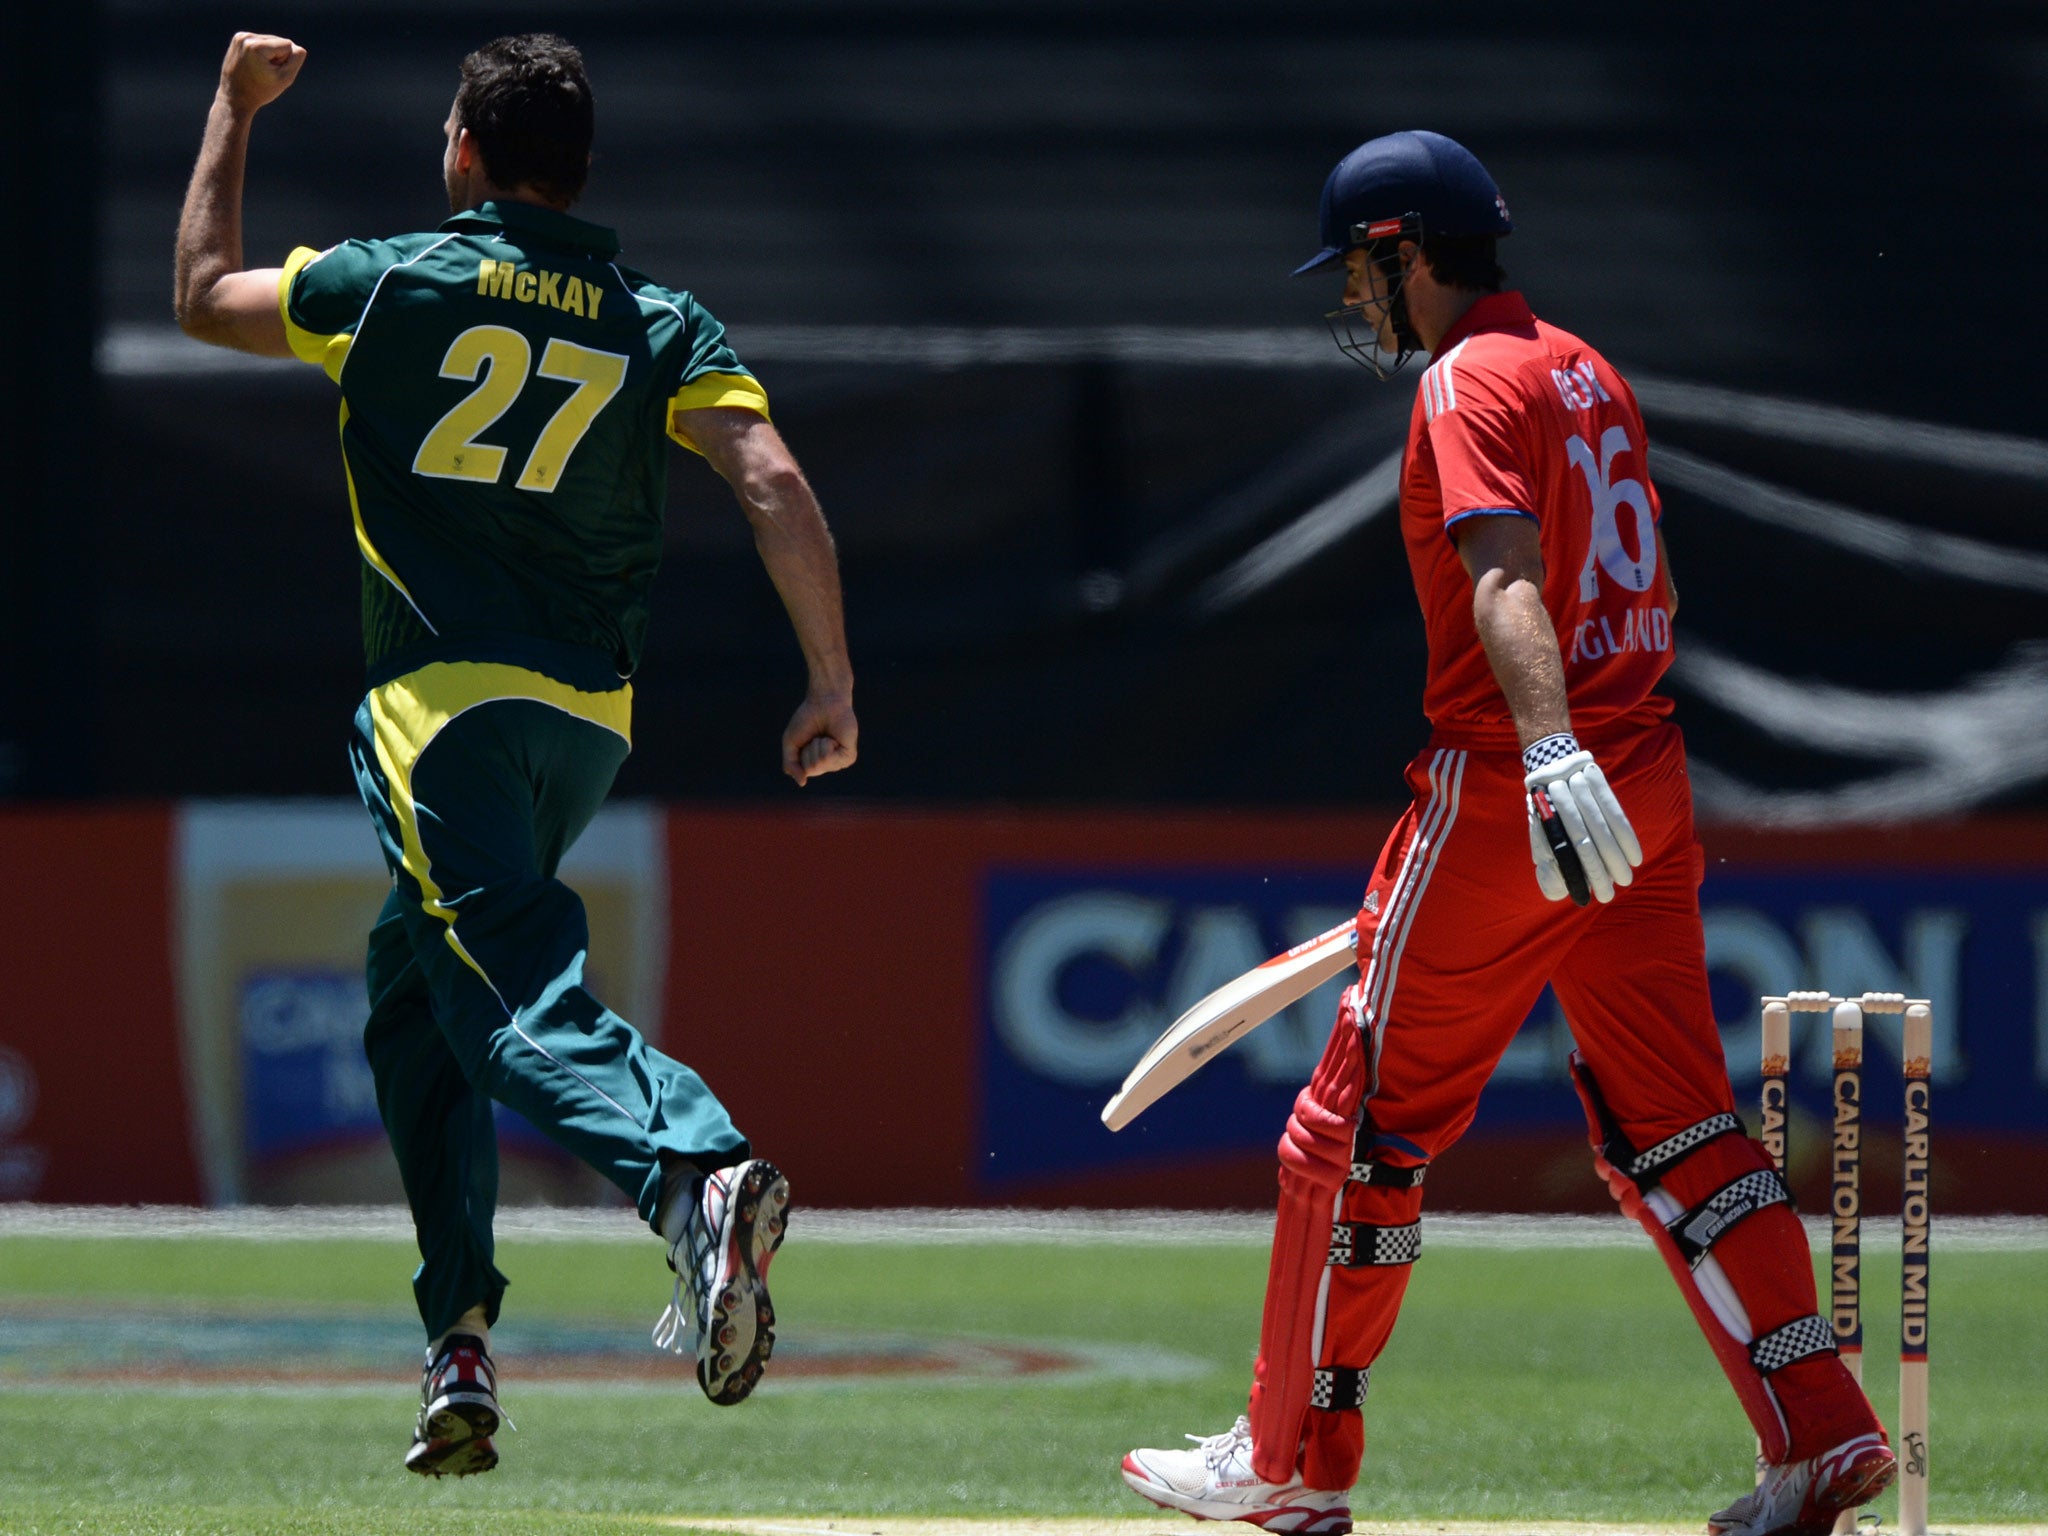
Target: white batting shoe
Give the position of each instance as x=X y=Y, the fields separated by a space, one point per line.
x=721 y=1256
x=1802 y=1498
x=1215 y=1481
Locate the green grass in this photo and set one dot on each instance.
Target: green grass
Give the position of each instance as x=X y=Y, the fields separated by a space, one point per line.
x=1548 y=1384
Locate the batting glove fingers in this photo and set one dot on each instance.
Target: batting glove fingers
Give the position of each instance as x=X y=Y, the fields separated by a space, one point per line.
x=1563 y=772
x=1573 y=813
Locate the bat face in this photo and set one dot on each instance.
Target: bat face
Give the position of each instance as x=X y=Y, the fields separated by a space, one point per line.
x=1228 y=1014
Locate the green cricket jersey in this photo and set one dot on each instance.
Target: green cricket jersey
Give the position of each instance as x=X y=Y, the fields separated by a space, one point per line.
x=507 y=389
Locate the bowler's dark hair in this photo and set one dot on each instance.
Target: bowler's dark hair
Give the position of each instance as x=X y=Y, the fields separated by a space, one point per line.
x=526 y=101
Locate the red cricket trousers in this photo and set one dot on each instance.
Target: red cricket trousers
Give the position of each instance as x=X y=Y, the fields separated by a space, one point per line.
x=1456 y=943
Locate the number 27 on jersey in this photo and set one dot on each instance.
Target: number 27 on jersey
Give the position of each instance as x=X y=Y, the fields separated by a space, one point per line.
x=451 y=450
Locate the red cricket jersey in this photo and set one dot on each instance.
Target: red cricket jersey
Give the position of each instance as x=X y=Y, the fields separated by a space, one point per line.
x=1517 y=417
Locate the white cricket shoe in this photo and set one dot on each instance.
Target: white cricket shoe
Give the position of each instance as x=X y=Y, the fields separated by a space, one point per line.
x=1215 y=1481
x=1802 y=1498
x=721 y=1255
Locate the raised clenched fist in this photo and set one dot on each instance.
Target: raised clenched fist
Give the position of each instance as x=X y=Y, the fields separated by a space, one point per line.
x=258 y=68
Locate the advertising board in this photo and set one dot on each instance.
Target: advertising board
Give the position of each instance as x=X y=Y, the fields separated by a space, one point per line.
x=92 y=1103
x=924 y=1007
x=275 y=901
x=1086 y=964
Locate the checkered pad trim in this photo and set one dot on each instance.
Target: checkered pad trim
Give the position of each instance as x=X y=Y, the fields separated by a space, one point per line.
x=1648 y=1165
x=1697 y=1230
x=1795 y=1341
x=1387 y=1176
x=1353 y=1246
x=1339 y=1387
x=1551 y=749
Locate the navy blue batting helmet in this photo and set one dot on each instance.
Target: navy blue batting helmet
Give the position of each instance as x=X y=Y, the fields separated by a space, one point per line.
x=1376 y=189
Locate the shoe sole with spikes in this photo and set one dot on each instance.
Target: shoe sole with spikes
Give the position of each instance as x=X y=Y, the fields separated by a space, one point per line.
x=459 y=1453
x=452 y=1435
x=735 y=1348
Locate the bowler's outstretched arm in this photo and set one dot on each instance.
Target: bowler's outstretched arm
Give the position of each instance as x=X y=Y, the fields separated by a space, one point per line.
x=217 y=301
x=796 y=547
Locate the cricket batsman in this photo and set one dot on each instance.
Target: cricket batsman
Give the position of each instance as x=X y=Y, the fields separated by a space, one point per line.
x=507 y=391
x=1531 y=526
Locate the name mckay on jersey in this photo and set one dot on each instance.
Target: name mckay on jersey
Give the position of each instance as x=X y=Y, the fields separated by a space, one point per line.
x=508 y=280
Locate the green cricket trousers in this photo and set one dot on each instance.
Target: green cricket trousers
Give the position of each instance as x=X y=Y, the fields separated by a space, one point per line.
x=478 y=777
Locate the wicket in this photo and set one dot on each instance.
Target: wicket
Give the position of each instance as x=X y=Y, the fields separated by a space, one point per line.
x=1845 y=1261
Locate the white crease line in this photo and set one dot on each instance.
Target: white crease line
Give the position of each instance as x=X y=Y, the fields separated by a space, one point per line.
x=932 y=1227
x=1114 y=1525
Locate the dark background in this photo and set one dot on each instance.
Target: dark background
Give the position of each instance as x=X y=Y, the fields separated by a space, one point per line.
x=1791 y=206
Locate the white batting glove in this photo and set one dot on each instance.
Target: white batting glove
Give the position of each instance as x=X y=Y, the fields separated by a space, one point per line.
x=1578 y=835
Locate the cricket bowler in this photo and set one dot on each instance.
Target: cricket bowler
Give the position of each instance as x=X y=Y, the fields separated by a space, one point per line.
x=508 y=388
x=1531 y=527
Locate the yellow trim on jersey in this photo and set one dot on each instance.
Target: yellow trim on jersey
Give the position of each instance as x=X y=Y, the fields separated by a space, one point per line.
x=408 y=712
x=355 y=507
x=741 y=391
x=308 y=346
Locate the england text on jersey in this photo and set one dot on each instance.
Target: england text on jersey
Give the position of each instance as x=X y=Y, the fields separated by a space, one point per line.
x=1517 y=418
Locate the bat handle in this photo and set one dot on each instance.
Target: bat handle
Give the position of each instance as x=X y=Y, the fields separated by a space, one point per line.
x=1562 y=850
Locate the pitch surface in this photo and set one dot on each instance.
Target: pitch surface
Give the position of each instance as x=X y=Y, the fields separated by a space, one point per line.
x=1529 y=1388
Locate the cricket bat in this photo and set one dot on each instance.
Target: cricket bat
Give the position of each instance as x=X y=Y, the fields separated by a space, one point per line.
x=1229 y=1013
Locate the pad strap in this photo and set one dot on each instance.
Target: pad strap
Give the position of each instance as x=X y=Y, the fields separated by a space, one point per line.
x=1797 y=1340
x=1643 y=1169
x=1697 y=1230
x=1339 y=1387
x=1354 y=1245
x=1387 y=1176
x=1648 y=1168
